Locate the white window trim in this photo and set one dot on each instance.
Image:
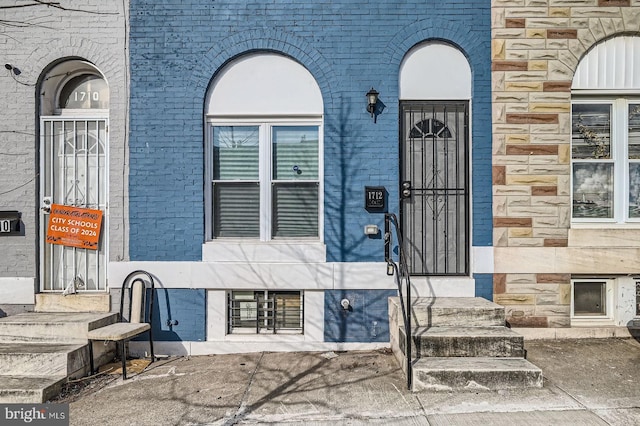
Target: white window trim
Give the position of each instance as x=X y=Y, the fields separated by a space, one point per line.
x=610 y=303
x=619 y=158
x=265 y=150
x=81 y=113
x=240 y=331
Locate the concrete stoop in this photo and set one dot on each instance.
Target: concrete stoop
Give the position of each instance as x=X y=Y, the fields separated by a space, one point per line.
x=449 y=373
x=461 y=343
x=29 y=389
x=465 y=342
x=42 y=359
x=456 y=311
x=52 y=327
x=40 y=350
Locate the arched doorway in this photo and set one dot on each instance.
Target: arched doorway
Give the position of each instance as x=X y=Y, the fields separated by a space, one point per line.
x=435 y=90
x=74 y=112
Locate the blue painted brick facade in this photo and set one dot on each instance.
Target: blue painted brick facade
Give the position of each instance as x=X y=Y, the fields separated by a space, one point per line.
x=366 y=320
x=484 y=286
x=187 y=307
x=176 y=48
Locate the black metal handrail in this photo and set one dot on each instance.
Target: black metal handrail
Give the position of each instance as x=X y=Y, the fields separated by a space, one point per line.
x=401 y=272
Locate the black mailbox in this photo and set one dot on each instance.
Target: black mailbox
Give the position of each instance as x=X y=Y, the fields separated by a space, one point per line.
x=9 y=222
x=375 y=199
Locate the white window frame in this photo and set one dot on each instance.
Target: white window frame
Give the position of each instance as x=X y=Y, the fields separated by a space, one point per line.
x=610 y=303
x=265 y=172
x=619 y=157
x=263 y=329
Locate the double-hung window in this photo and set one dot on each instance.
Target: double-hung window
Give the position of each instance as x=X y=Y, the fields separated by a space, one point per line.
x=265 y=179
x=605 y=157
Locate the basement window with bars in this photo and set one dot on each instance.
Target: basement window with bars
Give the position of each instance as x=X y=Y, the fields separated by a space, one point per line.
x=265 y=312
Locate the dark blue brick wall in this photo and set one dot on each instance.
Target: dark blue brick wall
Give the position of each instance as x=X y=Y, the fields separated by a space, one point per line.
x=484 y=286
x=367 y=320
x=187 y=307
x=176 y=48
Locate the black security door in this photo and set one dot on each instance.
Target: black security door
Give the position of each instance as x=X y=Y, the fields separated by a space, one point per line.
x=435 y=187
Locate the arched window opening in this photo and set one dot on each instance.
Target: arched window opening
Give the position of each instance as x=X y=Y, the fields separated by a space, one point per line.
x=435 y=70
x=605 y=133
x=264 y=161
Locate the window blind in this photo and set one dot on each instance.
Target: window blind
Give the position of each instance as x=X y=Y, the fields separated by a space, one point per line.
x=295 y=210
x=236 y=209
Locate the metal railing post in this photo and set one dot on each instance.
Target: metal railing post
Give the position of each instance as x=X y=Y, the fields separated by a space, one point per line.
x=401 y=272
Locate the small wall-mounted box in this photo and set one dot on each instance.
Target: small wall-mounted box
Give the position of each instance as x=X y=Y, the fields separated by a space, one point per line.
x=10 y=222
x=371 y=230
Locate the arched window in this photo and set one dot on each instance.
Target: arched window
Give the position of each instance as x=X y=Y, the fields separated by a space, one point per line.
x=264 y=145
x=605 y=133
x=435 y=71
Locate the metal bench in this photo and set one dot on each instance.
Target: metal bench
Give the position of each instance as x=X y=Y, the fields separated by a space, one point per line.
x=136 y=323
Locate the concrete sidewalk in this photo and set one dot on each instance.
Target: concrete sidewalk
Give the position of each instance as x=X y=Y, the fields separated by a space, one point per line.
x=587 y=382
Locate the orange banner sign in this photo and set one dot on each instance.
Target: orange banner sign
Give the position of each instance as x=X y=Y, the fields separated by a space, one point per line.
x=74 y=226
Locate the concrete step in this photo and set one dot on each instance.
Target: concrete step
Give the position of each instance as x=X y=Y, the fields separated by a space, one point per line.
x=80 y=302
x=480 y=373
x=465 y=342
x=29 y=389
x=57 y=327
x=43 y=359
x=456 y=311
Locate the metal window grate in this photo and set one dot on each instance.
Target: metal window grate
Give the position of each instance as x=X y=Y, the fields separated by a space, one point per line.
x=265 y=312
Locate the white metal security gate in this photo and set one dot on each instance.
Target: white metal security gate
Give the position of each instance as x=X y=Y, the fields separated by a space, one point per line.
x=73 y=172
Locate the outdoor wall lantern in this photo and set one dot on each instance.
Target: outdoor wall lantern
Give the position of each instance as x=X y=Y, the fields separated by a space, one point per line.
x=372 y=100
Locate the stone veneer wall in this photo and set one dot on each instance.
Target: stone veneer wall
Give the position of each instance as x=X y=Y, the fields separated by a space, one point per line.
x=536 y=47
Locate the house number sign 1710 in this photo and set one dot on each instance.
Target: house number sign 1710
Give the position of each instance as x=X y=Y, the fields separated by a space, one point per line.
x=81 y=96
x=9 y=223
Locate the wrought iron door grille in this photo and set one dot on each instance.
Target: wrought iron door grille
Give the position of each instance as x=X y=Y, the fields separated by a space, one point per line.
x=435 y=160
